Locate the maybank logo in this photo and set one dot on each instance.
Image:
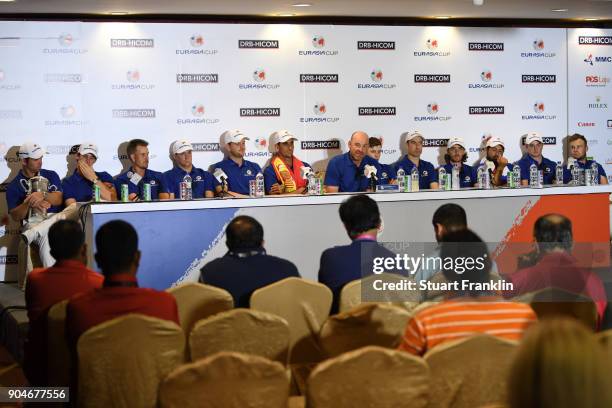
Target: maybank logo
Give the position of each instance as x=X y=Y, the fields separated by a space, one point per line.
x=319 y=78
x=377 y=111
x=259 y=112
x=320 y=144
x=432 y=78
x=595 y=40
x=132 y=43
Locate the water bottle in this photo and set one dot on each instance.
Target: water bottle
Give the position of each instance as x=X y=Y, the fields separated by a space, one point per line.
x=559 y=174
x=484 y=179
x=575 y=175
x=186 y=189
x=588 y=177
x=534 y=176
x=259 y=185
x=595 y=171
x=455 y=183
x=414 y=179
x=442 y=178
x=401 y=180
x=581 y=176
x=516 y=175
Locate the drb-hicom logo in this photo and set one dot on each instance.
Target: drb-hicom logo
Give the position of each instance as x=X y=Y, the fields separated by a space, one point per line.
x=259 y=112
x=320 y=144
x=432 y=78
x=199 y=117
x=376 y=76
x=205 y=147
x=132 y=43
x=6 y=86
x=69 y=118
x=63 y=78
x=596 y=81
x=538 y=78
x=377 y=111
x=432 y=45
x=260 y=81
x=197 y=47
x=538 y=46
x=258 y=44
x=547 y=140
x=142 y=113
x=376 y=45
x=65 y=40
x=598 y=104
x=485 y=46
x=486 y=76
x=538 y=108
x=432 y=108
x=435 y=142
x=319 y=44
x=595 y=40
x=486 y=110
x=319 y=78
x=8 y=114
x=133 y=82
x=197 y=78
x=320 y=111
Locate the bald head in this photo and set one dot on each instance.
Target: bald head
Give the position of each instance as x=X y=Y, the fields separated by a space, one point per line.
x=244 y=233
x=553 y=232
x=358 y=145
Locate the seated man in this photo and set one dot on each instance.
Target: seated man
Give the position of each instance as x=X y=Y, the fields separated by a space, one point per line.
x=555 y=265
x=347 y=172
x=466 y=311
x=283 y=175
x=139 y=174
x=202 y=182
x=46 y=287
x=497 y=162
x=239 y=171
x=118 y=257
x=343 y=264
x=535 y=145
x=79 y=186
x=428 y=177
x=577 y=148
x=456 y=156
x=246 y=266
x=387 y=175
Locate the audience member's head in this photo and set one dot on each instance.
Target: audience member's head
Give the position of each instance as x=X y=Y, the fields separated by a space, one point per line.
x=553 y=233
x=448 y=218
x=117 y=248
x=67 y=241
x=360 y=215
x=465 y=257
x=560 y=364
x=244 y=233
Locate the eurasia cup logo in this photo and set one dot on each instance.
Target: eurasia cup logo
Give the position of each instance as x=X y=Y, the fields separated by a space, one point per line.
x=319 y=108
x=376 y=75
x=65 y=39
x=133 y=75
x=538 y=44
x=196 y=40
x=538 y=107
x=67 y=111
x=261 y=143
x=432 y=108
x=197 y=110
x=318 y=41
x=259 y=75
x=486 y=75
x=432 y=43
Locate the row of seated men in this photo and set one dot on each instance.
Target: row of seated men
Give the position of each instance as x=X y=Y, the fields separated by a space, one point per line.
x=95 y=298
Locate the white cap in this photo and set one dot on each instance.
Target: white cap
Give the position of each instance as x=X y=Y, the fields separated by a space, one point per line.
x=413 y=135
x=233 y=136
x=495 y=141
x=88 y=148
x=30 y=150
x=180 y=146
x=456 y=141
x=281 y=136
x=533 y=137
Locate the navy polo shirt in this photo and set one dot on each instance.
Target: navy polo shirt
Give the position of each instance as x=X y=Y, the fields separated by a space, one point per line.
x=238 y=177
x=81 y=189
x=548 y=167
x=503 y=179
x=344 y=174
x=154 y=178
x=467 y=175
x=427 y=172
x=16 y=193
x=270 y=176
x=567 y=173
x=201 y=181
x=386 y=174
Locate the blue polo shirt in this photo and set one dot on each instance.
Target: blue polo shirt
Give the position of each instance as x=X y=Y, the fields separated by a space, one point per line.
x=201 y=181
x=427 y=172
x=238 y=177
x=343 y=173
x=503 y=179
x=154 y=178
x=386 y=174
x=81 y=189
x=467 y=175
x=567 y=173
x=270 y=176
x=16 y=193
x=548 y=167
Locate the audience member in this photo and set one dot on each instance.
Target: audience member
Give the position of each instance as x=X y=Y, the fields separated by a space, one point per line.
x=246 y=266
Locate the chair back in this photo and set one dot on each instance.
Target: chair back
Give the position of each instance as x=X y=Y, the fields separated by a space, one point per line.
x=361 y=291
x=58 y=353
x=605 y=339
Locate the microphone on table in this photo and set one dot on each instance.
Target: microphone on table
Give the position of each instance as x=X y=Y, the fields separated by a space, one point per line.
x=221 y=178
x=307 y=174
x=370 y=172
x=571 y=162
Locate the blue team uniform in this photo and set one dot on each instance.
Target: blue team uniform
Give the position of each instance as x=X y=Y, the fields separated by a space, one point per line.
x=386 y=174
x=427 y=172
x=15 y=193
x=154 y=178
x=567 y=173
x=467 y=174
x=201 y=181
x=547 y=166
x=81 y=189
x=238 y=177
x=344 y=174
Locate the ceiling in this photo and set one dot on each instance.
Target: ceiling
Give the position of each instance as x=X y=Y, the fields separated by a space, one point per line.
x=507 y=9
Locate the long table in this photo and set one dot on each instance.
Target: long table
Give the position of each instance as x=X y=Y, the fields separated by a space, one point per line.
x=177 y=238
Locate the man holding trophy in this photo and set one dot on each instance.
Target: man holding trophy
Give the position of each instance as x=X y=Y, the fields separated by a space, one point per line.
x=31 y=196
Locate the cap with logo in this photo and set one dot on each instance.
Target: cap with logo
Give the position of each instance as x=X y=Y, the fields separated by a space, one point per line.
x=88 y=148
x=533 y=137
x=30 y=150
x=233 y=136
x=414 y=135
x=281 y=136
x=454 y=141
x=181 y=146
x=495 y=141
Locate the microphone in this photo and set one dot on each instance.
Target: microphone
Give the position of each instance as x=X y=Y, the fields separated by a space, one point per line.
x=571 y=162
x=306 y=172
x=221 y=178
x=490 y=165
x=370 y=172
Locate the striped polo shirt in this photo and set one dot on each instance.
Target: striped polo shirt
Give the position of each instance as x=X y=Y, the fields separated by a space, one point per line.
x=463 y=317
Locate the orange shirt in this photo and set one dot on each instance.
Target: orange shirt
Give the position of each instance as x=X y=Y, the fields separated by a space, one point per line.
x=463 y=317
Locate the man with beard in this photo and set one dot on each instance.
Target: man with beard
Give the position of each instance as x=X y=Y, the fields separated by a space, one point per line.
x=577 y=148
x=238 y=170
x=283 y=175
x=497 y=162
x=456 y=157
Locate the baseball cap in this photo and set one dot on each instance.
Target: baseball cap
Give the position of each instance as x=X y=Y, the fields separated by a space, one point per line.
x=233 y=136
x=30 y=150
x=495 y=141
x=88 y=148
x=414 y=135
x=180 y=146
x=281 y=136
x=456 y=141
x=533 y=137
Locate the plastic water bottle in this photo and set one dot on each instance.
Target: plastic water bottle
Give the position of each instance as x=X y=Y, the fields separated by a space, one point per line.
x=442 y=178
x=455 y=183
x=414 y=179
x=559 y=174
x=595 y=171
x=516 y=175
x=534 y=177
x=575 y=175
x=588 y=177
x=259 y=185
x=401 y=180
x=186 y=189
x=484 y=179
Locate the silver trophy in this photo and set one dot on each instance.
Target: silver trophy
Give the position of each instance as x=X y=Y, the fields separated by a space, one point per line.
x=36 y=184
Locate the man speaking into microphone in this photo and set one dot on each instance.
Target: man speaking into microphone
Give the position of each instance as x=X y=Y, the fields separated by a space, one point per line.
x=283 y=175
x=354 y=170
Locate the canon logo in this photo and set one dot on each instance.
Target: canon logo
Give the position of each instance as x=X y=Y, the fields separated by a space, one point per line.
x=586 y=124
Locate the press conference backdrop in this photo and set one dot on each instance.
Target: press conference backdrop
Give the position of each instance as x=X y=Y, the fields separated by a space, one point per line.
x=65 y=82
